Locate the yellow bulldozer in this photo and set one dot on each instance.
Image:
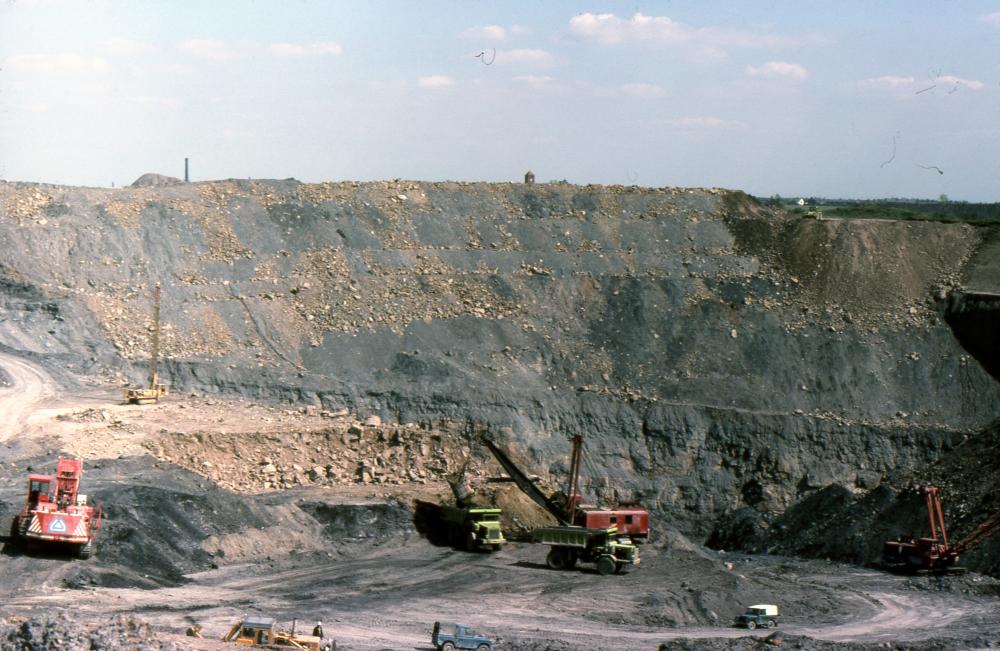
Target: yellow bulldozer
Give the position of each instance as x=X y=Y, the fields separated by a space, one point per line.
x=254 y=630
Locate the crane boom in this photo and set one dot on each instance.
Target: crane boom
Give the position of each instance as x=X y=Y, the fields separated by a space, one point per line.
x=154 y=375
x=987 y=528
x=526 y=485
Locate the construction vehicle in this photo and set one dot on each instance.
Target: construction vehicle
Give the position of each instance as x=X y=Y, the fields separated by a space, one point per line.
x=605 y=548
x=465 y=527
x=631 y=519
x=609 y=547
x=759 y=616
x=155 y=390
x=473 y=527
x=934 y=554
x=254 y=630
x=448 y=637
x=61 y=517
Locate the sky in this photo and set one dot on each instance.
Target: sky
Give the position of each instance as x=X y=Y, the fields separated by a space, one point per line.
x=843 y=99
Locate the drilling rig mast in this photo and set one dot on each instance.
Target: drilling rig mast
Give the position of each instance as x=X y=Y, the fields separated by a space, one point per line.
x=155 y=390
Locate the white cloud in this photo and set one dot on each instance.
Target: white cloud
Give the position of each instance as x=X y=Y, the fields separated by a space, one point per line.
x=217 y=50
x=972 y=84
x=486 y=33
x=778 y=69
x=991 y=19
x=313 y=49
x=702 y=122
x=609 y=29
x=147 y=102
x=494 y=32
x=207 y=48
x=529 y=57
x=890 y=82
x=642 y=90
x=56 y=63
x=534 y=80
x=34 y=107
x=887 y=82
x=125 y=46
x=435 y=81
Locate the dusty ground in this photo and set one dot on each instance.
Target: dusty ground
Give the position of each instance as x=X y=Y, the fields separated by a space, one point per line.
x=342 y=550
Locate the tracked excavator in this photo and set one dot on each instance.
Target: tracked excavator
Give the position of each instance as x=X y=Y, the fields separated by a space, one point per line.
x=58 y=516
x=630 y=519
x=582 y=535
x=155 y=390
x=934 y=554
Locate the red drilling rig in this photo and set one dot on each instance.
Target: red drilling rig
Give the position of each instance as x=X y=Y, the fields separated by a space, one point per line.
x=62 y=517
x=936 y=553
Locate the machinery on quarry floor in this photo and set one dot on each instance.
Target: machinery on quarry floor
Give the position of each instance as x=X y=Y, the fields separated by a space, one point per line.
x=155 y=390
x=254 y=630
x=759 y=616
x=448 y=637
x=629 y=519
x=465 y=525
x=567 y=545
x=609 y=547
x=934 y=553
x=61 y=517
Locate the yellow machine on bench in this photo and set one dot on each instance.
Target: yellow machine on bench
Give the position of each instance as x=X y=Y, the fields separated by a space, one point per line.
x=155 y=390
x=254 y=630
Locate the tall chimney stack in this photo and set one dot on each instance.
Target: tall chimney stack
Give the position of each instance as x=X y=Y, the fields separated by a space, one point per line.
x=187 y=178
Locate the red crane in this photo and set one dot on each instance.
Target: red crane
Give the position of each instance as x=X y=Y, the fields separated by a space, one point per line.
x=935 y=553
x=631 y=519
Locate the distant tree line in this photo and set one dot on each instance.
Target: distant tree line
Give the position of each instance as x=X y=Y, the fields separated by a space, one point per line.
x=941 y=209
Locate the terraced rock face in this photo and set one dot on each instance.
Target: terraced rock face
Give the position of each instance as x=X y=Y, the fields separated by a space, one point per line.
x=715 y=354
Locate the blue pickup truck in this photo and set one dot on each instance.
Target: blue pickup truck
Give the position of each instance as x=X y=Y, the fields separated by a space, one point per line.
x=448 y=637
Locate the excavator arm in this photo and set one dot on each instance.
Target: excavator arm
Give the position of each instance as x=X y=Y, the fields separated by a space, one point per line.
x=980 y=533
x=526 y=485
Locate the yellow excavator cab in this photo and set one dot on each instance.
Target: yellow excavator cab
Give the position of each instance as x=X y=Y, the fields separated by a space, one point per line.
x=254 y=630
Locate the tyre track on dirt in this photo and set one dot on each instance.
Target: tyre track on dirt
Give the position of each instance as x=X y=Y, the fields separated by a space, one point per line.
x=30 y=386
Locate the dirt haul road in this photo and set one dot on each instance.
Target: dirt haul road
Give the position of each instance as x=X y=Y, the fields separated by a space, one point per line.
x=381 y=586
x=27 y=388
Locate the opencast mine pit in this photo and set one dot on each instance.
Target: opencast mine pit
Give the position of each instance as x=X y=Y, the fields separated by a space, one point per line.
x=774 y=389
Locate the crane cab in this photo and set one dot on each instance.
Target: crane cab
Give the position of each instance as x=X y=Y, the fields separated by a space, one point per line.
x=38 y=489
x=253 y=630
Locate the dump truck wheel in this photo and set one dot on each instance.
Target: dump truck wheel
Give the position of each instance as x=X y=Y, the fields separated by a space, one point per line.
x=471 y=544
x=571 y=559
x=15 y=533
x=86 y=550
x=448 y=646
x=605 y=565
x=496 y=547
x=556 y=559
x=751 y=624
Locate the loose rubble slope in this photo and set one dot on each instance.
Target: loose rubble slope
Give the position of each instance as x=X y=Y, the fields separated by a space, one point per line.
x=716 y=354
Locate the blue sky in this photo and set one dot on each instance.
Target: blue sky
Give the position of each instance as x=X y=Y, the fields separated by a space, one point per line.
x=837 y=99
